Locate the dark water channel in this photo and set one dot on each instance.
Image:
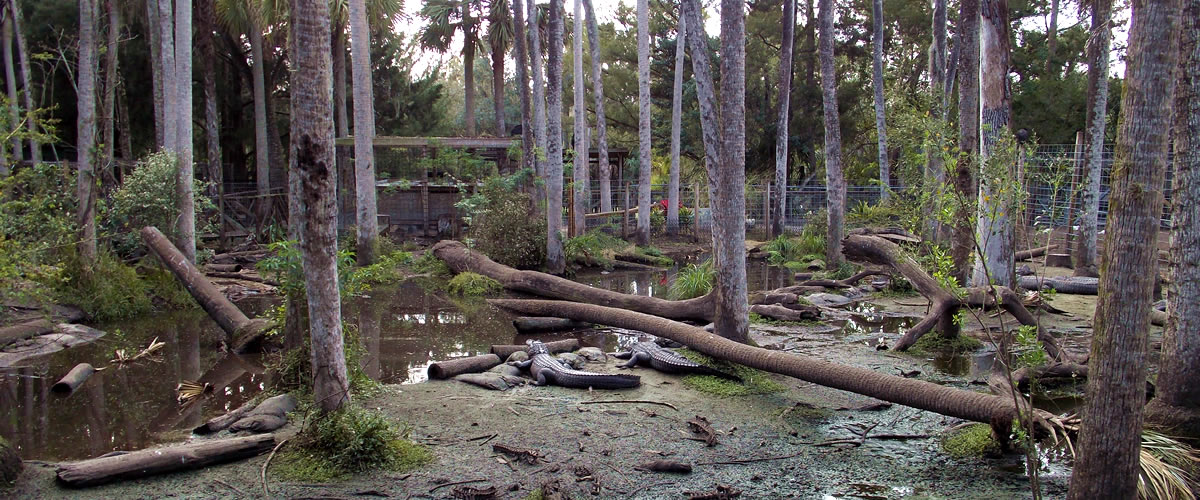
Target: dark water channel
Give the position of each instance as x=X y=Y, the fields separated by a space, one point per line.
x=403 y=329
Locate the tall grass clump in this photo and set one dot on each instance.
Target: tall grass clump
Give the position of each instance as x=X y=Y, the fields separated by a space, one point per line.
x=350 y=441
x=694 y=280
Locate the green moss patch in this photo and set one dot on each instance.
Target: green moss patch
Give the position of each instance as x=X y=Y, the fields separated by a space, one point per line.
x=349 y=441
x=974 y=440
x=753 y=381
x=470 y=284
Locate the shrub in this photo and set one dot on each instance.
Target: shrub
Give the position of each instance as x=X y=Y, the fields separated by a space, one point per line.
x=147 y=197
x=389 y=268
x=286 y=267
x=594 y=247
x=113 y=292
x=501 y=225
x=470 y=284
x=350 y=441
x=694 y=280
x=974 y=440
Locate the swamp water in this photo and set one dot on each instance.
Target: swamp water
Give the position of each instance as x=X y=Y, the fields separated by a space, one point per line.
x=402 y=329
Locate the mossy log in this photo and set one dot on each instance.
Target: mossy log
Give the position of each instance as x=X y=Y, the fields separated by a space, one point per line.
x=1078 y=285
x=793 y=312
x=462 y=259
x=242 y=332
x=525 y=324
x=73 y=379
x=950 y=401
x=21 y=331
x=474 y=364
x=555 y=347
x=155 y=461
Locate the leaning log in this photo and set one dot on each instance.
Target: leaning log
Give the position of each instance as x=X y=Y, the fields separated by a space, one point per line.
x=155 y=461
x=73 y=379
x=445 y=369
x=525 y=324
x=565 y=345
x=242 y=331
x=21 y=331
x=1034 y=252
x=462 y=259
x=950 y=401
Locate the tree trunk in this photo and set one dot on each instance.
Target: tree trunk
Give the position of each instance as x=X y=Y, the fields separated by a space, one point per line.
x=341 y=117
x=1109 y=441
x=581 y=161
x=644 y=167
x=149 y=462
x=885 y=172
x=835 y=181
x=962 y=243
x=1176 y=406
x=170 y=89
x=27 y=82
x=86 y=143
x=184 y=181
x=111 y=79
x=206 y=45
x=967 y=405
x=156 y=73
x=995 y=230
x=783 y=129
x=1097 y=94
x=521 y=59
x=498 y=89
x=935 y=171
x=10 y=74
x=262 y=150
x=604 y=170
x=364 y=134
x=539 y=111
x=312 y=157
x=469 y=68
x=555 y=260
x=461 y=259
x=710 y=124
x=676 y=122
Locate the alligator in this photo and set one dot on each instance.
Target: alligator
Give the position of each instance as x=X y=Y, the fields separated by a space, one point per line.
x=667 y=361
x=548 y=369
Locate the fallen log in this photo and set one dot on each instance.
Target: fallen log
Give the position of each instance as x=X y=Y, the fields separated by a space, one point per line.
x=1025 y=377
x=474 y=364
x=461 y=259
x=224 y=268
x=945 y=304
x=73 y=379
x=155 y=461
x=1034 y=252
x=525 y=324
x=21 y=331
x=268 y=416
x=1078 y=285
x=243 y=257
x=243 y=277
x=555 y=347
x=911 y=392
x=781 y=313
x=850 y=282
x=241 y=331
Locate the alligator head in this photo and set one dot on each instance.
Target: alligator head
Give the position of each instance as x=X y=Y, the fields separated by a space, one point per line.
x=537 y=347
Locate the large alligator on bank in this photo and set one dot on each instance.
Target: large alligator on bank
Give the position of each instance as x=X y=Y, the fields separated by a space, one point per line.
x=667 y=361
x=547 y=369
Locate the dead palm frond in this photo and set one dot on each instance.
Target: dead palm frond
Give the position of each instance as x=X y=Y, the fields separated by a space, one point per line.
x=121 y=357
x=188 y=390
x=1169 y=468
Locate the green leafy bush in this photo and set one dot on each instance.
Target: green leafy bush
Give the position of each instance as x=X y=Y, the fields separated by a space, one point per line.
x=286 y=267
x=147 y=197
x=113 y=292
x=593 y=248
x=389 y=268
x=470 y=284
x=694 y=280
x=502 y=227
x=350 y=441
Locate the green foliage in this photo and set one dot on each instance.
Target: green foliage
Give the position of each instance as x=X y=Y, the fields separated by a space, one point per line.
x=113 y=292
x=501 y=225
x=470 y=284
x=974 y=440
x=350 y=441
x=428 y=263
x=844 y=270
x=1030 y=350
x=694 y=280
x=389 y=268
x=292 y=370
x=147 y=197
x=753 y=381
x=593 y=248
x=763 y=320
x=939 y=264
x=782 y=250
x=934 y=342
x=286 y=266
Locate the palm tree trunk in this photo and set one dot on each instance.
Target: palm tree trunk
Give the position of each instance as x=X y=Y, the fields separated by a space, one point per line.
x=962 y=244
x=729 y=209
x=995 y=230
x=539 y=110
x=469 y=69
x=35 y=149
x=935 y=169
x=10 y=73
x=498 y=89
x=312 y=146
x=835 y=181
x=1097 y=93
x=156 y=73
x=262 y=158
x=184 y=181
x=111 y=77
x=364 y=134
x=521 y=59
x=341 y=118
x=86 y=125
x=706 y=95
x=603 y=169
x=1176 y=404
x=782 y=128
x=206 y=45
x=166 y=38
x=885 y=171
x=580 y=163
x=676 y=122
x=555 y=260
x=643 y=55
x=1110 y=438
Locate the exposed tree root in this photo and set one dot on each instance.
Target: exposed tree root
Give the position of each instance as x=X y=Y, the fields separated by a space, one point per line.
x=850 y=282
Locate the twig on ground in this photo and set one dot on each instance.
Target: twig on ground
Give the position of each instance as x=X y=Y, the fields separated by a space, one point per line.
x=443 y=485
x=267 y=464
x=230 y=486
x=750 y=460
x=634 y=401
